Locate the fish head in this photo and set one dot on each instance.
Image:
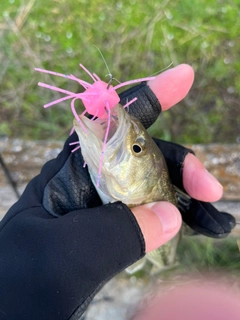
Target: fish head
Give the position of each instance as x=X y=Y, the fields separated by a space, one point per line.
x=132 y=168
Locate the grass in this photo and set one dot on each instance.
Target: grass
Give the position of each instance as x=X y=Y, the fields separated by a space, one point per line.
x=200 y=257
x=137 y=39
x=209 y=255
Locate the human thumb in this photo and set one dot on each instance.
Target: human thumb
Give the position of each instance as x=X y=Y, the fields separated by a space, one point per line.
x=159 y=222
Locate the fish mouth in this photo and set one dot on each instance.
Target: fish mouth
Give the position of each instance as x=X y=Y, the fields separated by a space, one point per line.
x=101 y=131
x=102 y=135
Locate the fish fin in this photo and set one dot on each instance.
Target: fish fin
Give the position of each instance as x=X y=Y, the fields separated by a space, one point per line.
x=157 y=270
x=136 y=266
x=184 y=200
x=188 y=231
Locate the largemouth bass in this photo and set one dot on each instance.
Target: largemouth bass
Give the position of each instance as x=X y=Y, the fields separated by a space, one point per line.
x=133 y=171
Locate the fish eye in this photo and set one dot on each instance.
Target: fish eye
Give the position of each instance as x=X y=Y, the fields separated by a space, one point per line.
x=137 y=148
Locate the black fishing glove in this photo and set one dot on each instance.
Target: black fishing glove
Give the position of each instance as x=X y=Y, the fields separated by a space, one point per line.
x=201 y=216
x=51 y=268
x=59 y=245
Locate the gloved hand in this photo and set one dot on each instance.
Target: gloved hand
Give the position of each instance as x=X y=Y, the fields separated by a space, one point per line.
x=201 y=216
x=59 y=245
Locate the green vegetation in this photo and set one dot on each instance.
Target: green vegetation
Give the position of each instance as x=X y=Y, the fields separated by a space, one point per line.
x=137 y=38
x=202 y=253
x=201 y=256
x=204 y=257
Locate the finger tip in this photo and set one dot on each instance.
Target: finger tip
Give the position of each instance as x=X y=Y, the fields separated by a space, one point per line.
x=198 y=182
x=172 y=86
x=216 y=187
x=159 y=222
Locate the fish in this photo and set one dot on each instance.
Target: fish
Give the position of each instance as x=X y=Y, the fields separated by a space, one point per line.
x=134 y=171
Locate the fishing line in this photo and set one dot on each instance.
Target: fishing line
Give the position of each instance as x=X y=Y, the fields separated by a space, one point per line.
x=160 y=71
x=109 y=73
x=9 y=177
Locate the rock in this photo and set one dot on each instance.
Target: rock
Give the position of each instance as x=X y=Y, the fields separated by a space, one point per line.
x=117 y=300
x=223 y=161
x=26 y=158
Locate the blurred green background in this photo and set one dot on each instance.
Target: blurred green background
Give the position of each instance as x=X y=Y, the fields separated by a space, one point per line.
x=137 y=39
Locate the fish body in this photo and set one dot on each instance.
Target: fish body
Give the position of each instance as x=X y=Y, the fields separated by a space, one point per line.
x=134 y=170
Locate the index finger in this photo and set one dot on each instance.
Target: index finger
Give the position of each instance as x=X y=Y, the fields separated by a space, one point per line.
x=167 y=89
x=173 y=85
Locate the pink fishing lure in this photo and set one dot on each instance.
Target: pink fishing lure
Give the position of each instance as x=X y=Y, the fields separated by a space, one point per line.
x=98 y=99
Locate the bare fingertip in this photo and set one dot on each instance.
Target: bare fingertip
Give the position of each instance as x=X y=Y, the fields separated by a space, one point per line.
x=198 y=182
x=173 y=85
x=168 y=215
x=159 y=222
